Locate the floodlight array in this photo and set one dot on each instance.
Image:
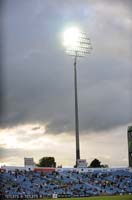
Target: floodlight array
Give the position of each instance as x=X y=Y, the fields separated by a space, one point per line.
x=83 y=46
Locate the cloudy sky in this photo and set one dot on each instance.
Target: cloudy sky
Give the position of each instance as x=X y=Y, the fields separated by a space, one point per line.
x=38 y=91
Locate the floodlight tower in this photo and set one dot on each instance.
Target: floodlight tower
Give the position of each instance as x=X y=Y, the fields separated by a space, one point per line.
x=77 y=45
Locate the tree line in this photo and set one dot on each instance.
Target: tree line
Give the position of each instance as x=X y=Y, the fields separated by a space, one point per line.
x=50 y=162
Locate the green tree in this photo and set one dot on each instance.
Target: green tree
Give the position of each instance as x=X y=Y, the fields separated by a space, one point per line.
x=95 y=163
x=104 y=166
x=47 y=162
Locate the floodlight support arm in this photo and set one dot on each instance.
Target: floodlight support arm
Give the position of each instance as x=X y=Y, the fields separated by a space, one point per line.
x=76 y=111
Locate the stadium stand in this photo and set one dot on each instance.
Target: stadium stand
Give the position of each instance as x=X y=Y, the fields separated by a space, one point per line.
x=32 y=184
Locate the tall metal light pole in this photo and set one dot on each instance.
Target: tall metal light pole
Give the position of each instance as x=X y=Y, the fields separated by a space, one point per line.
x=77 y=45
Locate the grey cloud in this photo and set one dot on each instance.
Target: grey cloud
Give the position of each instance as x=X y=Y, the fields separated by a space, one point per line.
x=39 y=76
x=10 y=152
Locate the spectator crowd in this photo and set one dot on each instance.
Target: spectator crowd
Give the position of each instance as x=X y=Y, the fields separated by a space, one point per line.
x=30 y=184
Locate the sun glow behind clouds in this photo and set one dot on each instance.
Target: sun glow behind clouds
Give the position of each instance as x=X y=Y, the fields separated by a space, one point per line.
x=17 y=137
x=30 y=140
x=10 y=141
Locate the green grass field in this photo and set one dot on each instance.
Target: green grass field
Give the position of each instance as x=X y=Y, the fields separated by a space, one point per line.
x=125 y=197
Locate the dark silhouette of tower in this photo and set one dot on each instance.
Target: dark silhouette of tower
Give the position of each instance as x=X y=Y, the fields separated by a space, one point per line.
x=129 y=136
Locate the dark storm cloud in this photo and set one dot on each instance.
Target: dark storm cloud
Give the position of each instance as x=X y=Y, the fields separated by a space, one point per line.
x=1 y=61
x=38 y=76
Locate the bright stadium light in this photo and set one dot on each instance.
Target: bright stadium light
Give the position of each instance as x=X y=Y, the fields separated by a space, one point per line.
x=77 y=44
x=71 y=37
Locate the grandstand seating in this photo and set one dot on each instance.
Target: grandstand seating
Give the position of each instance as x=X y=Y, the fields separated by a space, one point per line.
x=65 y=183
